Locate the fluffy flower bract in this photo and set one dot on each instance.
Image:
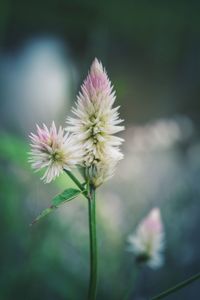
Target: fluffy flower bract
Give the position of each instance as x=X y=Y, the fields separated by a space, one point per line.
x=97 y=121
x=147 y=243
x=101 y=171
x=54 y=150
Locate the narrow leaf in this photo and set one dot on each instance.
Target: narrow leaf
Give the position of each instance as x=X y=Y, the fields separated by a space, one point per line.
x=44 y=213
x=65 y=196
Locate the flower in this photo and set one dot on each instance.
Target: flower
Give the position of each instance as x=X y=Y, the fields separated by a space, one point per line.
x=147 y=243
x=101 y=171
x=53 y=150
x=97 y=121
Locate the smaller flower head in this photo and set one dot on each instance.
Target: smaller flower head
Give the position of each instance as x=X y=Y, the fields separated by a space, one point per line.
x=54 y=150
x=147 y=243
x=101 y=171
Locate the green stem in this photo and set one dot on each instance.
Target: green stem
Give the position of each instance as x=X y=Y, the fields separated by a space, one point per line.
x=93 y=244
x=131 y=284
x=177 y=287
x=77 y=182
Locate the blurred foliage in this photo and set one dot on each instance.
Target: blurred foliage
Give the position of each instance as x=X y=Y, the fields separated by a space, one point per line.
x=50 y=259
x=30 y=252
x=152 y=49
x=14 y=149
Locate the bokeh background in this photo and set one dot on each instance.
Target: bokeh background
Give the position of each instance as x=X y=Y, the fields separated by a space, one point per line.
x=151 y=50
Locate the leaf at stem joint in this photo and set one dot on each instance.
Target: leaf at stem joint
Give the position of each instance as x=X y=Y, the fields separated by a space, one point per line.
x=66 y=196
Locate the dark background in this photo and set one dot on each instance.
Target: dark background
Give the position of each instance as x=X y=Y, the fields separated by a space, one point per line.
x=151 y=50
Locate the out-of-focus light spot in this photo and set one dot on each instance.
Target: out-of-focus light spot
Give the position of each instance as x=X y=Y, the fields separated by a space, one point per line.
x=150 y=150
x=158 y=135
x=36 y=83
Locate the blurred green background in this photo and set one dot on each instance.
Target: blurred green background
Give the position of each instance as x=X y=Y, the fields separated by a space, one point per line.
x=151 y=50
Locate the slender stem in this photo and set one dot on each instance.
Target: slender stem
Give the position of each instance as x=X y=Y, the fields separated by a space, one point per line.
x=130 y=289
x=177 y=287
x=77 y=182
x=93 y=244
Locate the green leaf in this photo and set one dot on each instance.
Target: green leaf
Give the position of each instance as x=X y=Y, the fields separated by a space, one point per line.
x=43 y=214
x=65 y=196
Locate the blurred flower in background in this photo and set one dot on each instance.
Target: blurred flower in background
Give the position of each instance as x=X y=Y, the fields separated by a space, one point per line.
x=147 y=243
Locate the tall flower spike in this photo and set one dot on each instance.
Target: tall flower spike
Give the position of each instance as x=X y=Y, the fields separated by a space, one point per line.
x=53 y=150
x=96 y=120
x=147 y=243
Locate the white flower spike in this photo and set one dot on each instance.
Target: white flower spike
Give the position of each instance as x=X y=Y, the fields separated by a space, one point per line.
x=96 y=122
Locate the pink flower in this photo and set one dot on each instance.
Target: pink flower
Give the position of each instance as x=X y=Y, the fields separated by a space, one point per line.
x=53 y=150
x=147 y=243
x=96 y=122
x=97 y=82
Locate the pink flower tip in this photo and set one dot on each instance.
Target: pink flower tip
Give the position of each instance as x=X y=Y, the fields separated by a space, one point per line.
x=96 y=67
x=148 y=241
x=153 y=221
x=97 y=81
